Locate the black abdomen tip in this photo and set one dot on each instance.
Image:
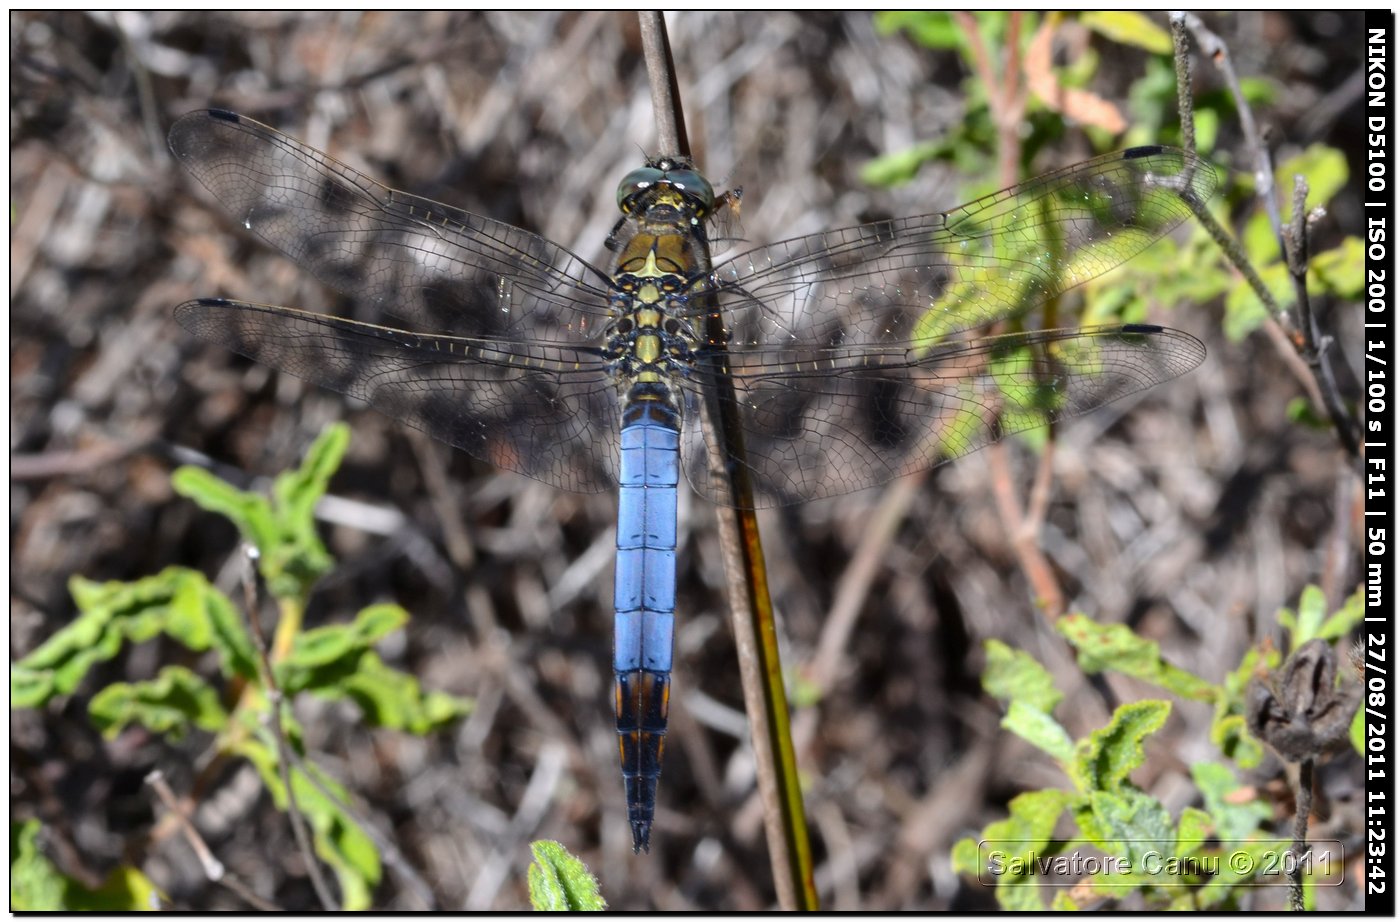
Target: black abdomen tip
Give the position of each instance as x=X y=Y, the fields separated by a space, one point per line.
x=641 y=837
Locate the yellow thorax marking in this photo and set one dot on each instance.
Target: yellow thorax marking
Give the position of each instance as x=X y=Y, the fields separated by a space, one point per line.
x=650 y=269
x=648 y=348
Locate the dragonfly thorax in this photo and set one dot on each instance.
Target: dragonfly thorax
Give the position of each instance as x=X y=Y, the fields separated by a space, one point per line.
x=647 y=342
x=661 y=251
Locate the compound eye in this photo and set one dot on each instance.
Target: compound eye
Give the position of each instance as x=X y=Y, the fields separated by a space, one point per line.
x=694 y=185
x=635 y=183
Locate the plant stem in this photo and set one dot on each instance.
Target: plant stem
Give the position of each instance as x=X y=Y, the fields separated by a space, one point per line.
x=1303 y=805
x=751 y=609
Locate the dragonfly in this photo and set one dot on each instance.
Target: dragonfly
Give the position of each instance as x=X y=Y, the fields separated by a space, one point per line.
x=848 y=358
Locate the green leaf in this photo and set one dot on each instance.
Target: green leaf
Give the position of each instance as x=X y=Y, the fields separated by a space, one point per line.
x=37 y=886
x=336 y=661
x=1358 y=731
x=1129 y=28
x=324 y=645
x=1039 y=729
x=1192 y=830
x=336 y=838
x=1256 y=661
x=899 y=167
x=1300 y=410
x=394 y=699
x=176 y=601
x=291 y=557
x=1341 y=622
x=802 y=692
x=1260 y=242
x=1247 y=860
x=1104 y=759
x=1302 y=627
x=1128 y=823
x=1235 y=813
x=1114 y=647
x=1207 y=129
x=930 y=29
x=559 y=882
x=1245 y=313
x=966 y=857
x=200 y=607
x=57 y=665
x=1340 y=270
x=1008 y=847
x=1014 y=675
x=296 y=493
x=168 y=704
x=126 y=889
x=1231 y=735
x=1312 y=620
x=1324 y=168
x=1157 y=280
x=249 y=512
x=1258 y=91
x=1079 y=71
x=202 y=618
x=30 y=688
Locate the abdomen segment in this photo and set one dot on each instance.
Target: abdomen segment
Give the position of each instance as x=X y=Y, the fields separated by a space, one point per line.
x=644 y=597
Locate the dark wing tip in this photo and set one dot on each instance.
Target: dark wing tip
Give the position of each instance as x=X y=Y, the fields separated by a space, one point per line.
x=188 y=133
x=195 y=312
x=1151 y=150
x=1184 y=347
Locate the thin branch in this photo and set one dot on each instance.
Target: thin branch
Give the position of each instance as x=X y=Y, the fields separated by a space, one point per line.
x=666 y=108
x=1228 y=245
x=388 y=850
x=1304 y=334
x=1299 y=850
x=1295 y=250
x=1006 y=95
x=1313 y=343
x=214 y=869
x=1219 y=53
x=1182 y=60
x=279 y=733
x=1045 y=587
x=751 y=608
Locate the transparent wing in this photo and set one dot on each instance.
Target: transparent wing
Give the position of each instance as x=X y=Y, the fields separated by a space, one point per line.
x=442 y=269
x=546 y=410
x=502 y=360
x=839 y=343
x=853 y=418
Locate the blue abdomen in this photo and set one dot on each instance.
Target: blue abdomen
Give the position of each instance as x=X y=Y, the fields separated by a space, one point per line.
x=644 y=597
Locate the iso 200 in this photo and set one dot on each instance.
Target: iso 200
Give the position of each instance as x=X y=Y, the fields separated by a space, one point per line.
x=1286 y=862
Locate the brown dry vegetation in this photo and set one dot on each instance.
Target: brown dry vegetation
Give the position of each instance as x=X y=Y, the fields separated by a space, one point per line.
x=1191 y=514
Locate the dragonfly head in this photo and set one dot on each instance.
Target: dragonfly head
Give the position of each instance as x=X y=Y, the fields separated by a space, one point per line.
x=666 y=182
